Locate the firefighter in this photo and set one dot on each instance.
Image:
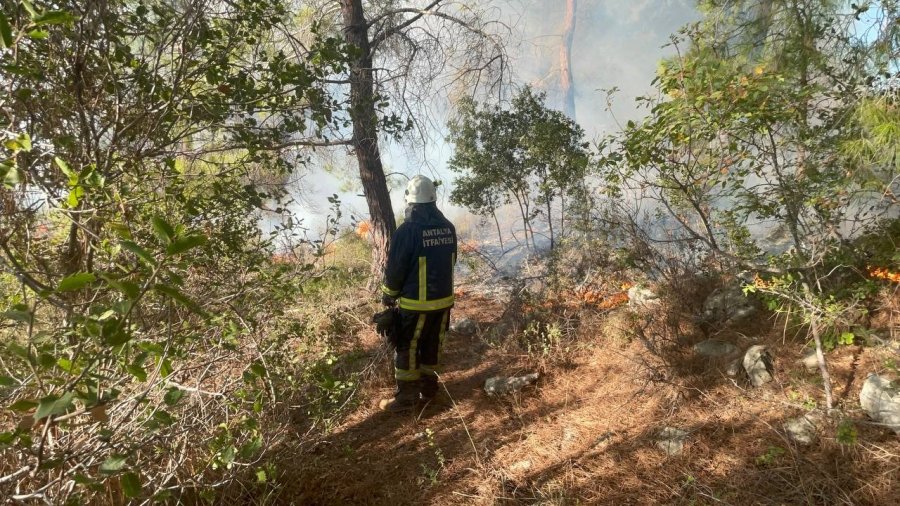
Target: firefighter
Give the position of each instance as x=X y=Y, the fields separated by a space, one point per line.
x=419 y=279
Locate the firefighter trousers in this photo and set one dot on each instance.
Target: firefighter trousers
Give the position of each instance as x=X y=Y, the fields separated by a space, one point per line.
x=419 y=344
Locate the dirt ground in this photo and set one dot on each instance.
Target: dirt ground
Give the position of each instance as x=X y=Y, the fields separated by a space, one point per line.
x=586 y=433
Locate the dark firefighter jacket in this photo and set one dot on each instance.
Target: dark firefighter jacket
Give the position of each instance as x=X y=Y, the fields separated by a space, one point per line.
x=420 y=262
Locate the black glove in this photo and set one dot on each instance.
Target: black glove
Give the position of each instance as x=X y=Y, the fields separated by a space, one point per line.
x=388 y=301
x=387 y=324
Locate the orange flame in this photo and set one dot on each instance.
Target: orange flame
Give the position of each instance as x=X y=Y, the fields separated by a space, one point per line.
x=883 y=273
x=468 y=247
x=363 y=229
x=614 y=301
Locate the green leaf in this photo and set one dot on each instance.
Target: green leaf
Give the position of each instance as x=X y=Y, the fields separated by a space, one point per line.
x=23 y=405
x=30 y=8
x=39 y=34
x=21 y=351
x=227 y=456
x=261 y=476
x=120 y=229
x=137 y=371
x=12 y=175
x=179 y=297
x=65 y=364
x=164 y=232
x=7 y=438
x=258 y=369
x=16 y=315
x=113 y=464
x=109 y=313
x=20 y=143
x=76 y=281
x=847 y=338
x=74 y=197
x=6 y=381
x=173 y=395
x=85 y=481
x=131 y=290
x=114 y=333
x=6 y=38
x=165 y=368
x=54 y=18
x=131 y=485
x=251 y=447
x=46 y=360
x=64 y=167
x=154 y=348
x=139 y=252
x=24 y=141
x=53 y=405
x=5 y=167
x=185 y=243
x=162 y=417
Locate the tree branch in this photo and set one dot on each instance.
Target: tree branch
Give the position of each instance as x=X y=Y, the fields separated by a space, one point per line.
x=420 y=13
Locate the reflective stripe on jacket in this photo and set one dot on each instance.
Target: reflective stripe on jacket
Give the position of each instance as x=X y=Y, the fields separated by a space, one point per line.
x=420 y=262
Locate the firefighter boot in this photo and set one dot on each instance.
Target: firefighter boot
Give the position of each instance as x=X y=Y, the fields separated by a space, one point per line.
x=429 y=387
x=404 y=399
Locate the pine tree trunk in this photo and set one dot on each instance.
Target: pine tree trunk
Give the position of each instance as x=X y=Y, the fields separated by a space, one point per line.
x=365 y=135
x=823 y=366
x=499 y=232
x=550 y=222
x=565 y=61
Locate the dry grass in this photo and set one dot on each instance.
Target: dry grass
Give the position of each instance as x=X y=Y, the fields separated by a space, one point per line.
x=586 y=433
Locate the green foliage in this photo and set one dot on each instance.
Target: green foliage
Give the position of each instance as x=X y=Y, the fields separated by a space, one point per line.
x=431 y=473
x=751 y=130
x=527 y=154
x=758 y=153
x=136 y=282
x=772 y=455
x=542 y=340
x=846 y=433
x=329 y=389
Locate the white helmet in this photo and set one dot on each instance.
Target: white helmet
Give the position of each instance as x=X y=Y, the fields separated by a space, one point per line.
x=420 y=190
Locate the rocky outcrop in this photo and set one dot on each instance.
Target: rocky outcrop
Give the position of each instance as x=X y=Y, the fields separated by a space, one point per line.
x=801 y=430
x=727 y=306
x=880 y=399
x=809 y=360
x=715 y=348
x=671 y=440
x=499 y=385
x=759 y=365
x=639 y=296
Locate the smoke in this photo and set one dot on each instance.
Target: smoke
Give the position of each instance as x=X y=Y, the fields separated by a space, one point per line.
x=617 y=44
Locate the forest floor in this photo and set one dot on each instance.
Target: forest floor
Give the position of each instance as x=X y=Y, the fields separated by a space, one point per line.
x=587 y=432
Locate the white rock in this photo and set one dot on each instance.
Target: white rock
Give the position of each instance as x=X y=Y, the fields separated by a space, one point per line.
x=499 y=385
x=728 y=305
x=639 y=296
x=809 y=360
x=466 y=327
x=671 y=440
x=801 y=430
x=759 y=365
x=880 y=399
x=715 y=348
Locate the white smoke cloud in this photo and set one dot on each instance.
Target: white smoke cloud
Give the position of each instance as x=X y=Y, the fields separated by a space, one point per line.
x=617 y=43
